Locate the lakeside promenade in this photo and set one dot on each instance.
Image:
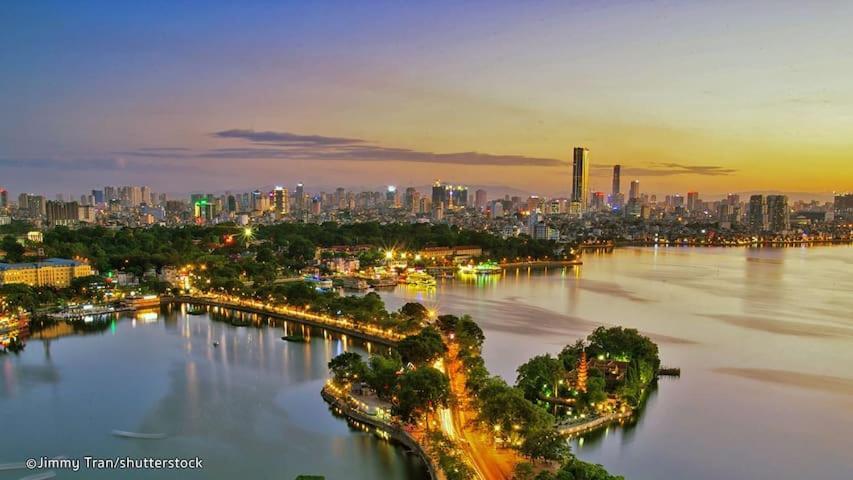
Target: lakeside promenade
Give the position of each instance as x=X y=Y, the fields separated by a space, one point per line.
x=343 y=326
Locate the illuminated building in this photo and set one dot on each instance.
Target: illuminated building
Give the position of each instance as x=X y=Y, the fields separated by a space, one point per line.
x=392 y=198
x=53 y=272
x=843 y=206
x=617 y=180
x=480 y=199
x=757 y=214
x=280 y=201
x=580 y=180
x=439 y=194
x=778 y=214
x=597 y=203
x=693 y=203
x=582 y=373
x=634 y=191
x=299 y=197
x=12 y=324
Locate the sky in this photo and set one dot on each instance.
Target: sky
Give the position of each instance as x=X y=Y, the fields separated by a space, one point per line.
x=191 y=96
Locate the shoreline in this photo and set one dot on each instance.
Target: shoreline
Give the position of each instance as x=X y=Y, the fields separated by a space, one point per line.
x=391 y=432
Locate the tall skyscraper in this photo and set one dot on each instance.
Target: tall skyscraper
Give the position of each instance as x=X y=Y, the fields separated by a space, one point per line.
x=757 y=214
x=4 y=198
x=300 y=198
x=843 y=206
x=280 y=201
x=580 y=179
x=617 y=179
x=439 y=194
x=778 y=215
x=480 y=199
x=634 y=191
x=693 y=201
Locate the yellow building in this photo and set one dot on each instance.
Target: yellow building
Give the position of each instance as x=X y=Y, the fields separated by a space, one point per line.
x=53 y=272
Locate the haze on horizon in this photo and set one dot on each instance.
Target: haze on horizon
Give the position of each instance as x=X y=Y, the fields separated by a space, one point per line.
x=207 y=95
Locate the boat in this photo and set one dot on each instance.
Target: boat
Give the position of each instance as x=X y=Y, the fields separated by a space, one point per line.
x=142 y=301
x=420 y=279
x=196 y=311
x=295 y=338
x=355 y=283
x=141 y=436
x=482 y=268
x=383 y=282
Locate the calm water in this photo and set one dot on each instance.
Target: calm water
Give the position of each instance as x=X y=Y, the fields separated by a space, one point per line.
x=764 y=338
x=251 y=407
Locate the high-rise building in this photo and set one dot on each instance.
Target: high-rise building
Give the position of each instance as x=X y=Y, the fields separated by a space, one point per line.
x=439 y=194
x=617 y=180
x=459 y=196
x=62 y=213
x=392 y=197
x=843 y=206
x=693 y=201
x=757 y=214
x=4 y=198
x=597 y=202
x=480 y=199
x=300 y=198
x=634 y=191
x=580 y=179
x=280 y=201
x=778 y=215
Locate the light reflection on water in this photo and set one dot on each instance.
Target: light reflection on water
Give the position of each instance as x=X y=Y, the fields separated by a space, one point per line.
x=764 y=337
x=250 y=404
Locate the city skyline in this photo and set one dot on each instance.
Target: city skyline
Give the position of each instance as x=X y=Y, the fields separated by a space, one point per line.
x=702 y=98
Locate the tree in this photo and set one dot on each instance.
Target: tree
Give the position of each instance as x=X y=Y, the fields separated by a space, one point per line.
x=415 y=311
x=523 y=471
x=447 y=323
x=14 y=250
x=545 y=444
x=421 y=390
x=422 y=348
x=540 y=377
x=469 y=335
x=382 y=374
x=348 y=367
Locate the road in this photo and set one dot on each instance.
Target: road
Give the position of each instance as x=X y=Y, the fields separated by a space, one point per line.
x=456 y=422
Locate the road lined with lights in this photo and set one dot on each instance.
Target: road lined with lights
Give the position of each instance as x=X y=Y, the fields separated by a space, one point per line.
x=341 y=325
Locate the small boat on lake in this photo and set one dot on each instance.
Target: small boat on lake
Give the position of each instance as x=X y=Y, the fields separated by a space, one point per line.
x=295 y=338
x=141 y=436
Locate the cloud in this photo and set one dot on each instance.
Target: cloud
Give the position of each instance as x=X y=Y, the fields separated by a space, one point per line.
x=292 y=146
x=69 y=164
x=670 y=169
x=285 y=138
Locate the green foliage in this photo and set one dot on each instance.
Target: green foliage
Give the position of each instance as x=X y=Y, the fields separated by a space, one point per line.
x=507 y=408
x=422 y=348
x=540 y=377
x=415 y=311
x=575 y=469
x=14 y=250
x=545 y=444
x=450 y=461
x=421 y=390
x=348 y=367
x=623 y=343
x=382 y=375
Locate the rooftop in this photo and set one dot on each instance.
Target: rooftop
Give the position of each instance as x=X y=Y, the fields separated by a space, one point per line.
x=50 y=262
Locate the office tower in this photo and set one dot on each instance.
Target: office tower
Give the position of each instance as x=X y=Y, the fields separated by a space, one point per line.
x=597 y=202
x=617 y=180
x=693 y=201
x=733 y=199
x=4 y=198
x=232 y=203
x=459 y=195
x=842 y=205
x=778 y=215
x=392 y=198
x=280 y=201
x=144 y=195
x=757 y=214
x=300 y=198
x=409 y=198
x=580 y=179
x=98 y=196
x=439 y=194
x=480 y=198
x=634 y=191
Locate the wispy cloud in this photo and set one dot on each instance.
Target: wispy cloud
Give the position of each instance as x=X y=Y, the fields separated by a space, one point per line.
x=286 y=145
x=670 y=169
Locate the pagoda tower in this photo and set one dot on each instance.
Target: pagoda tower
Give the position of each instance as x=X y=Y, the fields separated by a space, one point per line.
x=581 y=383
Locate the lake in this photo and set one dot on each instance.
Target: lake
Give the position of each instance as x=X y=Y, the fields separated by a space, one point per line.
x=764 y=338
x=249 y=407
